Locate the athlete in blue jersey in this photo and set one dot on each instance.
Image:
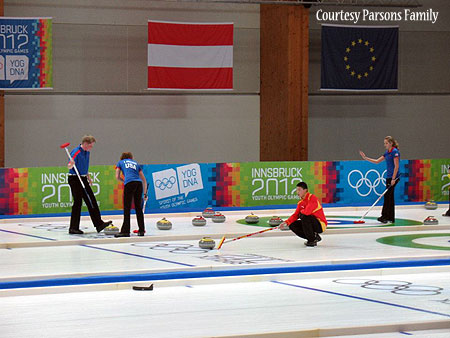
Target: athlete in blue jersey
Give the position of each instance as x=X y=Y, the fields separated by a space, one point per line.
x=392 y=158
x=135 y=183
x=80 y=156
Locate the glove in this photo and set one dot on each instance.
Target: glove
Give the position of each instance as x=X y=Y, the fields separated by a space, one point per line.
x=388 y=185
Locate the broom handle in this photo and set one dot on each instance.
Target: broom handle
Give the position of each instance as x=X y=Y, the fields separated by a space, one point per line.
x=248 y=235
x=75 y=168
x=384 y=192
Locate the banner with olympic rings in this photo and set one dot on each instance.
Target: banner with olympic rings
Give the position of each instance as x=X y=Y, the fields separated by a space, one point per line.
x=365 y=182
x=195 y=186
x=180 y=186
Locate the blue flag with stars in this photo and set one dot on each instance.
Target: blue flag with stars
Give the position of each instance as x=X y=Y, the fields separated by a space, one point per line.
x=359 y=58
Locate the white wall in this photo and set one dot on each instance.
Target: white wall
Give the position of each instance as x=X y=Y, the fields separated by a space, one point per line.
x=342 y=125
x=156 y=129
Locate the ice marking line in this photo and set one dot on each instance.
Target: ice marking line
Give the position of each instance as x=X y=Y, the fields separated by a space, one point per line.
x=363 y=298
x=34 y=236
x=185 y=274
x=136 y=255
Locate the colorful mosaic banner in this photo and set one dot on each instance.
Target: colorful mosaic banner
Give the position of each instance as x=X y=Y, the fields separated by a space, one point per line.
x=45 y=190
x=427 y=180
x=26 y=53
x=195 y=186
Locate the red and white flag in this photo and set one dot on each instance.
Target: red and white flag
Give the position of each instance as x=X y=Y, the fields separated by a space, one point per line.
x=190 y=55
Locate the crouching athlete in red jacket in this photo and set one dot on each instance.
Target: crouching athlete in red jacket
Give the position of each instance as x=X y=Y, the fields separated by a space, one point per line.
x=308 y=220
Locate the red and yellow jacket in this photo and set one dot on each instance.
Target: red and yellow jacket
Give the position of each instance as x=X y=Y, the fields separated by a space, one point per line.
x=309 y=205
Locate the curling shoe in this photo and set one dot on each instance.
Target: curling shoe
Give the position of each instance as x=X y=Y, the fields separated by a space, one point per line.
x=75 y=232
x=382 y=220
x=313 y=243
x=122 y=234
x=104 y=225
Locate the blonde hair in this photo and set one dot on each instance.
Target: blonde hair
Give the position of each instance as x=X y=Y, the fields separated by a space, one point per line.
x=392 y=141
x=126 y=155
x=88 y=139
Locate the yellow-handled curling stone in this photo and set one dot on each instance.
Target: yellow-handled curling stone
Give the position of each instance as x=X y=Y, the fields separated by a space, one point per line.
x=207 y=243
x=164 y=224
x=252 y=219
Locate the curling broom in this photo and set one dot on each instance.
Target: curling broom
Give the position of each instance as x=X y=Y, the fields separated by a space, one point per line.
x=222 y=241
x=361 y=220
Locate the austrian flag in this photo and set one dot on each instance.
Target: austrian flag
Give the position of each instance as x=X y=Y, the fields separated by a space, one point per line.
x=190 y=55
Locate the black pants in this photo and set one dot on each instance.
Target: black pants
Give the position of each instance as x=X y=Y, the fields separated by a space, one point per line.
x=306 y=227
x=388 y=211
x=132 y=190
x=448 y=211
x=79 y=195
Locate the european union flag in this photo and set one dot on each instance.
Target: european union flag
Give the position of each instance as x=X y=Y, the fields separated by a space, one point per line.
x=359 y=58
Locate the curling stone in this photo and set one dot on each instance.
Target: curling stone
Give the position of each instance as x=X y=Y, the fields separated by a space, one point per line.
x=275 y=221
x=218 y=218
x=199 y=221
x=111 y=230
x=430 y=220
x=207 y=243
x=208 y=213
x=164 y=224
x=431 y=205
x=251 y=219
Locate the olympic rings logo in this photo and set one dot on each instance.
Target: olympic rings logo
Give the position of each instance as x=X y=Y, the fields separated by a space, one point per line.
x=173 y=248
x=367 y=182
x=55 y=227
x=49 y=227
x=165 y=183
x=243 y=259
x=394 y=286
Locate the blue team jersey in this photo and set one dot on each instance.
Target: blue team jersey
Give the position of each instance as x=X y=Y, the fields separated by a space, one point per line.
x=130 y=170
x=389 y=157
x=81 y=159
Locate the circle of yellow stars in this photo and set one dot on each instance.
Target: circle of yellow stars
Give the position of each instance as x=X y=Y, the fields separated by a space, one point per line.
x=348 y=67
